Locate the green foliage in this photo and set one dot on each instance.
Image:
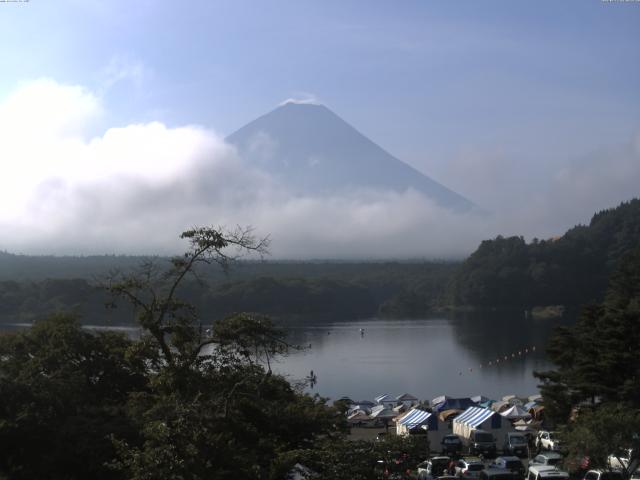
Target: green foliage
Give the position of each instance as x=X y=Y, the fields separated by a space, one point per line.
x=608 y=430
x=182 y=402
x=339 y=290
x=570 y=270
x=341 y=459
x=63 y=393
x=594 y=393
x=598 y=358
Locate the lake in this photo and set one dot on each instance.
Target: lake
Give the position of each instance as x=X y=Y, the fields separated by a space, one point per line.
x=427 y=358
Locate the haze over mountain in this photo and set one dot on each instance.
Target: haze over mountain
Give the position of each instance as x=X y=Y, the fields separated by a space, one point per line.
x=77 y=184
x=312 y=150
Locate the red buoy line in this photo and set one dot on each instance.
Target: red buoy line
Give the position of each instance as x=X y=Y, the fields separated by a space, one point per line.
x=505 y=358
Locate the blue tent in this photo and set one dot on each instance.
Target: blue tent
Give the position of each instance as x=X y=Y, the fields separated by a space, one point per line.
x=454 y=404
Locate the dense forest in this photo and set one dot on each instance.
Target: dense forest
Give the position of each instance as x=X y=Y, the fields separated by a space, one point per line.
x=339 y=290
x=570 y=270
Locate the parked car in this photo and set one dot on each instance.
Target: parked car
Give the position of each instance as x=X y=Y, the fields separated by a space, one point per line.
x=619 y=462
x=546 y=472
x=497 y=474
x=552 y=459
x=451 y=444
x=481 y=443
x=422 y=472
x=469 y=467
x=434 y=467
x=548 y=441
x=603 y=475
x=512 y=464
x=515 y=444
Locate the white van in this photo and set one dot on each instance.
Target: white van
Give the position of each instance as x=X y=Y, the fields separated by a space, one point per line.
x=546 y=472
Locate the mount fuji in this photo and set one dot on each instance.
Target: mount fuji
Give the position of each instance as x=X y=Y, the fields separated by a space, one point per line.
x=310 y=149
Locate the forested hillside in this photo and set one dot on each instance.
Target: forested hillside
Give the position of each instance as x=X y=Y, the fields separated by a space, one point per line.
x=338 y=290
x=570 y=270
x=505 y=272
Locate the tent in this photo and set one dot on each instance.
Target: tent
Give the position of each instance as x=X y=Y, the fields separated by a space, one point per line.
x=415 y=419
x=477 y=418
x=386 y=400
x=500 y=406
x=537 y=412
x=407 y=400
x=515 y=413
x=454 y=403
x=382 y=412
x=447 y=415
x=359 y=416
x=479 y=399
x=513 y=400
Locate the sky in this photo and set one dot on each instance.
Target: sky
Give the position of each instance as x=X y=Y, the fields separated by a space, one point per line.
x=113 y=115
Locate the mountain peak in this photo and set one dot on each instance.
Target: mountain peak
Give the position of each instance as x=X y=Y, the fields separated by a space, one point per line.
x=306 y=101
x=312 y=150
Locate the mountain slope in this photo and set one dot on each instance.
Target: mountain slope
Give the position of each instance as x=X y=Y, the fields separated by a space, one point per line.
x=312 y=150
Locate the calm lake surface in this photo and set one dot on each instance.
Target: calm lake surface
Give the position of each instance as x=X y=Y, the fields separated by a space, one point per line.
x=427 y=358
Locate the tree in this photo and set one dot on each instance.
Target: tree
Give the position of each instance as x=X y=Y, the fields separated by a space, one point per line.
x=64 y=391
x=182 y=402
x=215 y=409
x=168 y=320
x=609 y=430
x=598 y=359
x=594 y=393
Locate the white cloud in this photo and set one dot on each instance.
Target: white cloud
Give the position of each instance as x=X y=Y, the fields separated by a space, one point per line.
x=303 y=98
x=134 y=188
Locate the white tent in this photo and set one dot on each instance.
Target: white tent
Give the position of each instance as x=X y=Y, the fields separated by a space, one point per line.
x=381 y=412
x=440 y=399
x=515 y=413
x=407 y=400
x=358 y=416
x=386 y=400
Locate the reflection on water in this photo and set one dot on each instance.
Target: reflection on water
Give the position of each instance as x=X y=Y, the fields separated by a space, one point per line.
x=427 y=357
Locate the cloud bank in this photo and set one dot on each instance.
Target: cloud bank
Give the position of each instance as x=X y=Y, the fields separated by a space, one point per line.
x=133 y=189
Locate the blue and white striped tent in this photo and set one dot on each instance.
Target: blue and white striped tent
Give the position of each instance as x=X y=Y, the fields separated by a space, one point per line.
x=415 y=418
x=478 y=418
